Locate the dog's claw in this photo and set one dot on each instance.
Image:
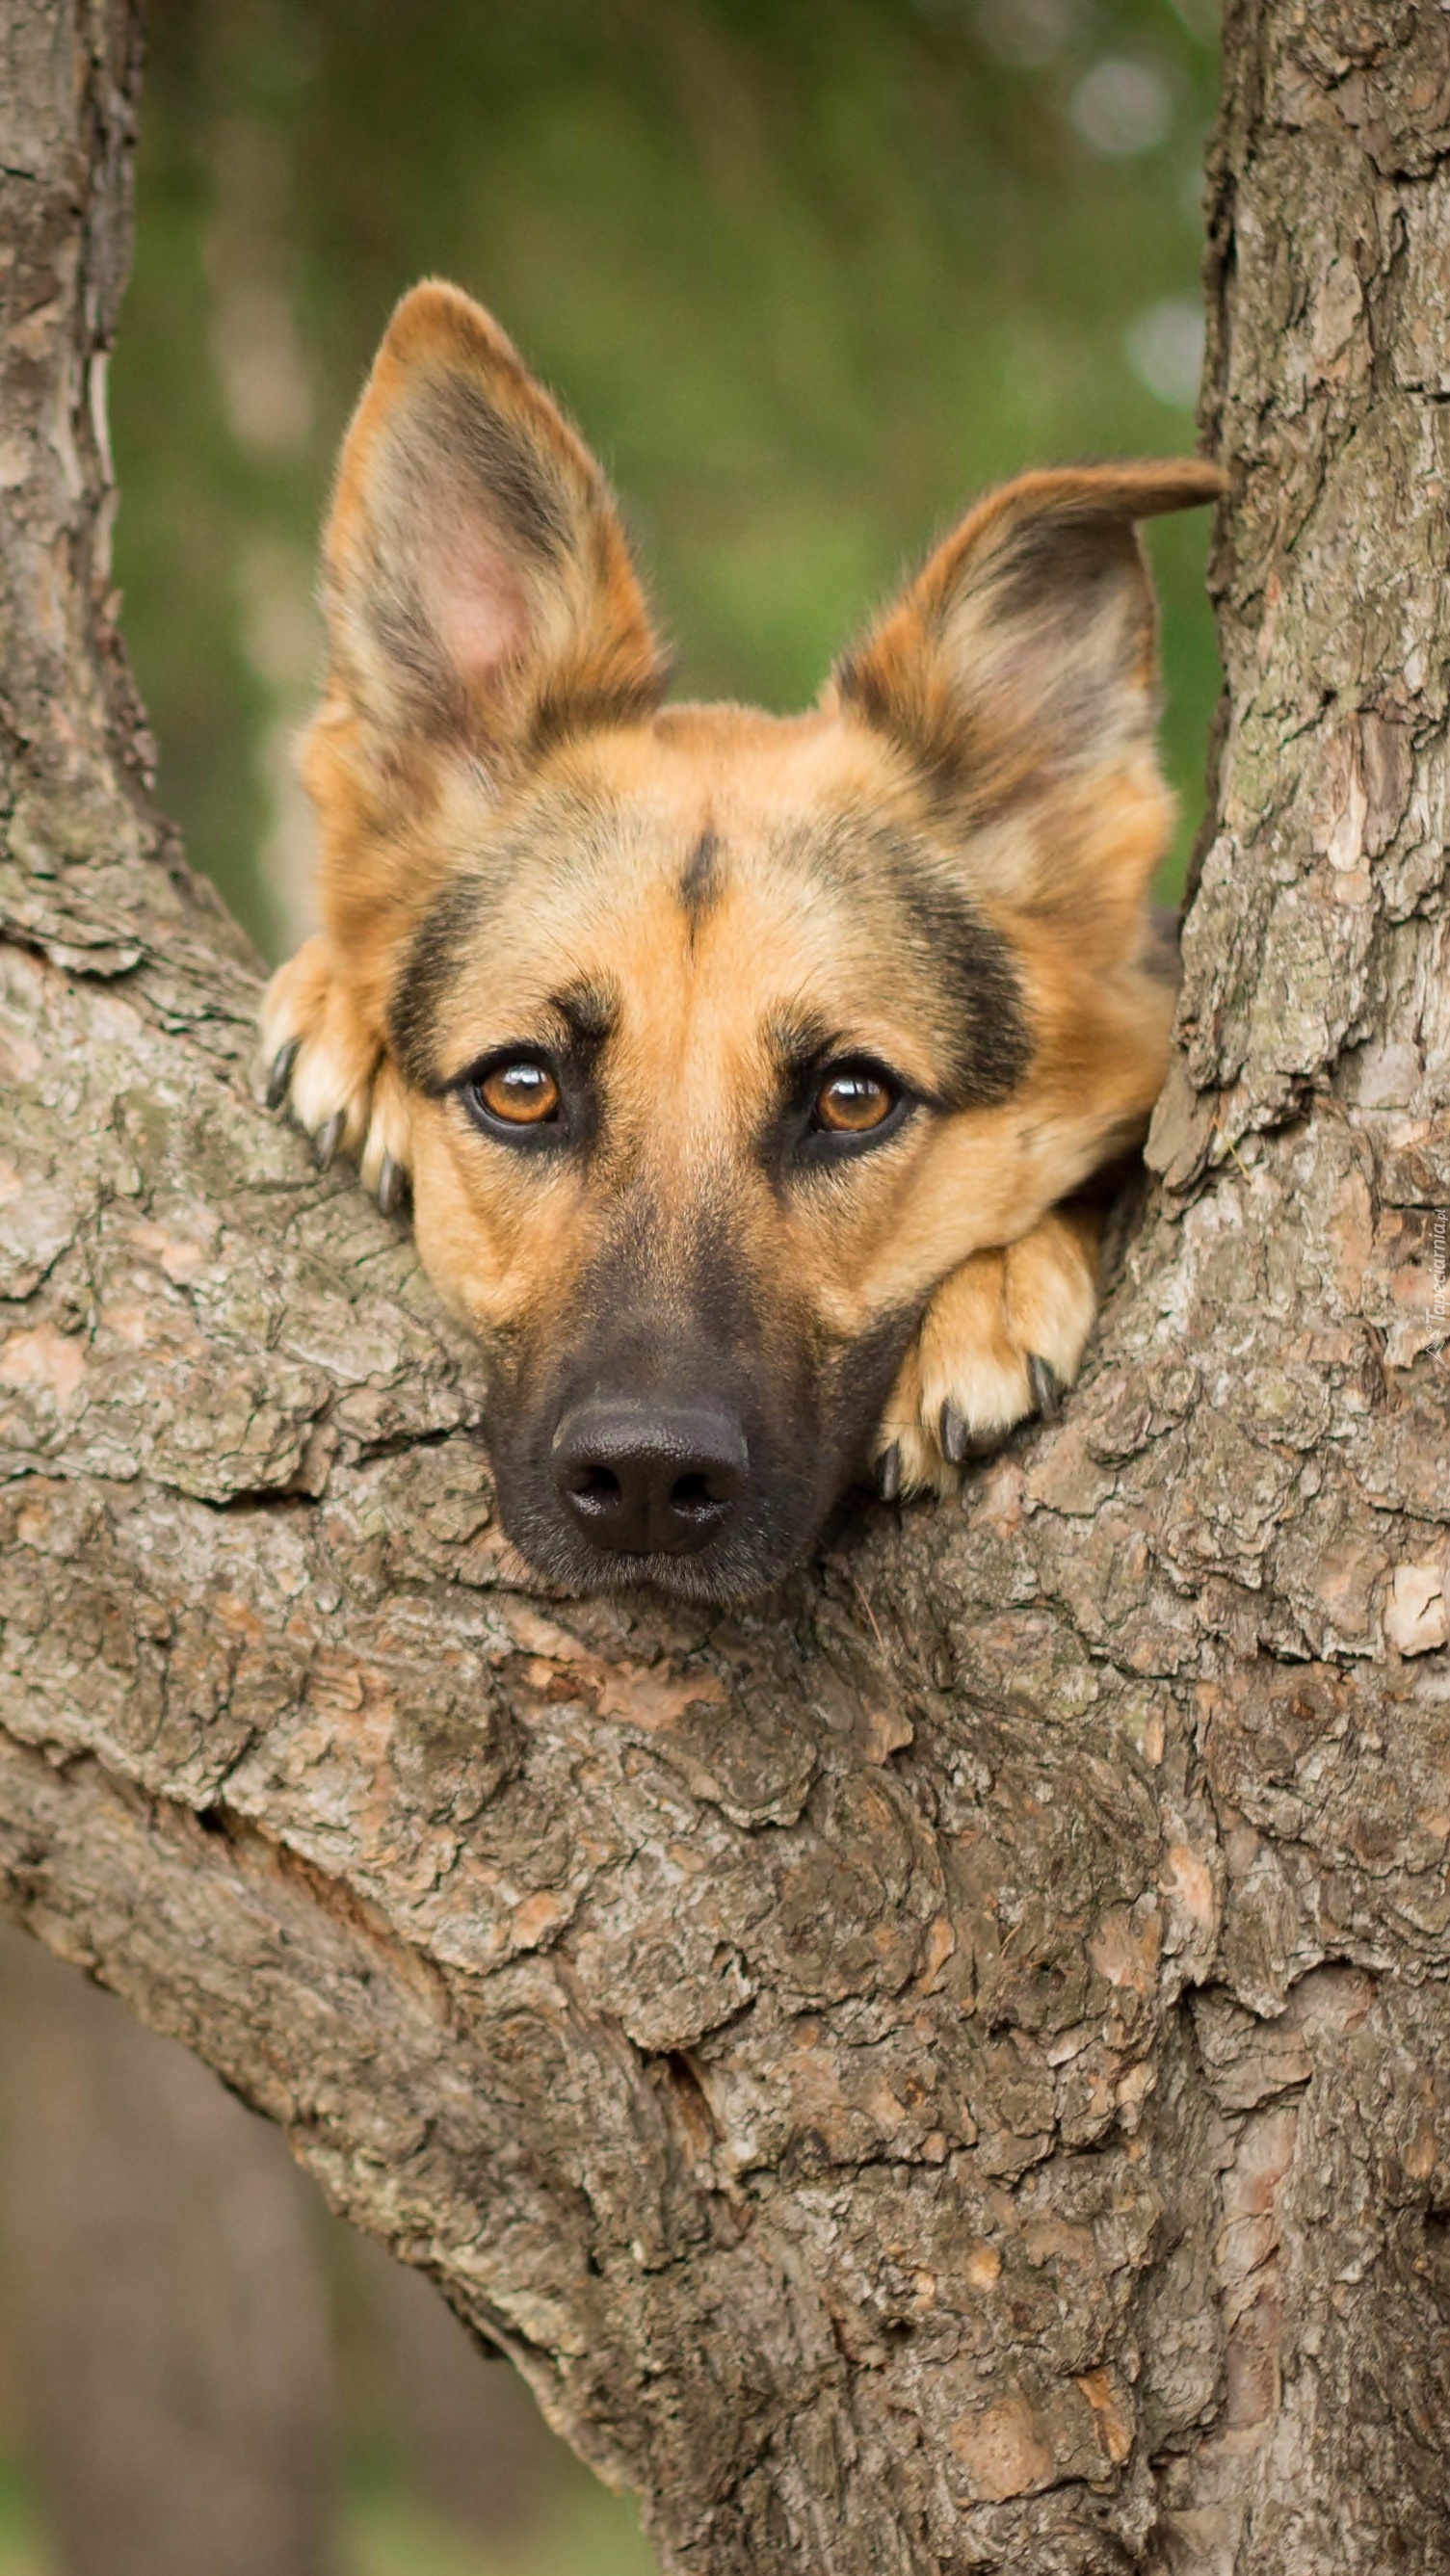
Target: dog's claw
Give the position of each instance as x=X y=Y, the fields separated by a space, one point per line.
x=954 y=1436
x=328 y=1138
x=392 y=1186
x=280 y=1077
x=888 y=1473
x=1046 y=1387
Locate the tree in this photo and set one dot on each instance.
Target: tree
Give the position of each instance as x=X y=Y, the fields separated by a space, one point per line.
x=946 y=2068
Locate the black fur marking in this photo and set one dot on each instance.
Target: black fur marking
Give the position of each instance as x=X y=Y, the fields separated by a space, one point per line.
x=798 y=1047
x=397 y=616
x=1052 y=563
x=970 y=965
x=472 y=443
x=700 y=884
x=955 y=955
x=578 y=706
x=441 y=938
x=864 y=688
x=590 y=1012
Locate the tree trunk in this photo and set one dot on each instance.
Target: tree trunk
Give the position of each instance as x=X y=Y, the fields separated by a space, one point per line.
x=948 y=2067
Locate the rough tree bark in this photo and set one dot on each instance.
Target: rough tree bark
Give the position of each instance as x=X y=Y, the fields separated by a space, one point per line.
x=946 y=2068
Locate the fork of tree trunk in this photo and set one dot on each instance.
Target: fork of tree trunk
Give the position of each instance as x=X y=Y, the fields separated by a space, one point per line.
x=948 y=2069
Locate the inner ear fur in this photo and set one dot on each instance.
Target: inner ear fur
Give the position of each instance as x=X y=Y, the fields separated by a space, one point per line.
x=1018 y=672
x=478 y=583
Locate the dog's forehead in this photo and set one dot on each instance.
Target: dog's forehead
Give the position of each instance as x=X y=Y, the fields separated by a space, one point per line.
x=719 y=864
x=719 y=820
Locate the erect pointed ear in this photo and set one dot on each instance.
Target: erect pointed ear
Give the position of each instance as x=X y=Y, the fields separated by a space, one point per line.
x=478 y=582
x=1020 y=664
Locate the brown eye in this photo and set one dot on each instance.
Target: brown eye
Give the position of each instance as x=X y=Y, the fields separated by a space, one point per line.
x=853 y=1101
x=519 y=1091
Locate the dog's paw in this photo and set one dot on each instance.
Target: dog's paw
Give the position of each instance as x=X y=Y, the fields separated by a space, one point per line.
x=322 y=1060
x=1002 y=1338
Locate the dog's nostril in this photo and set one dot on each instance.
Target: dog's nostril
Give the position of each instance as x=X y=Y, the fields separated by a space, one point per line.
x=648 y=1478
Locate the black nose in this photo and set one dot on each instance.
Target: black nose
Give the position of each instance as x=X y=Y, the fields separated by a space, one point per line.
x=646 y=1477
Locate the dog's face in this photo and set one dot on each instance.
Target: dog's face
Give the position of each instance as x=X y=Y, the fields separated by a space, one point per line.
x=719 y=1041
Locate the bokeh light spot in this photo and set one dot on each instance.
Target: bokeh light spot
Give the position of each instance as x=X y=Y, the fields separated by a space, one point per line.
x=1121 y=108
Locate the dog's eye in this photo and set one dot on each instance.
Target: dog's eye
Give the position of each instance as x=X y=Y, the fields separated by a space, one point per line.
x=515 y=1091
x=853 y=1100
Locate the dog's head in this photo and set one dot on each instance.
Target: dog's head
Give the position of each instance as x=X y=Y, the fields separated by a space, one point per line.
x=724 y=1038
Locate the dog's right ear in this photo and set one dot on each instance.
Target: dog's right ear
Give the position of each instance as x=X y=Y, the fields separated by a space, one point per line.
x=1017 y=673
x=479 y=588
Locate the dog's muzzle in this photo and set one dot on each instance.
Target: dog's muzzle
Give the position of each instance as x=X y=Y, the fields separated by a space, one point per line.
x=644 y=1476
x=698 y=1450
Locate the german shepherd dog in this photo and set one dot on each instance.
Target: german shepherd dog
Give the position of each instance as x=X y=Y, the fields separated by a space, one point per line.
x=742 y=1068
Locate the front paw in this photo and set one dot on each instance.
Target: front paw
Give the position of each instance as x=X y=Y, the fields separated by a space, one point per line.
x=1001 y=1340
x=324 y=1062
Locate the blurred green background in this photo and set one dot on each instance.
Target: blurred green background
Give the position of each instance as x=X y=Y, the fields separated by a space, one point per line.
x=809 y=277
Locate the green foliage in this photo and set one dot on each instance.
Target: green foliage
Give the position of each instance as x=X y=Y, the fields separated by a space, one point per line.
x=808 y=277
x=593 y=2533
x=385 y=2532
x=22 y=2548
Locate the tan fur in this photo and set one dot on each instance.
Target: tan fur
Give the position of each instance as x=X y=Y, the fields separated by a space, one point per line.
x=981 y=753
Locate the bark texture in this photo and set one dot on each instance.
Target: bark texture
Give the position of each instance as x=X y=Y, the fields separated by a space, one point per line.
x=946 y=2069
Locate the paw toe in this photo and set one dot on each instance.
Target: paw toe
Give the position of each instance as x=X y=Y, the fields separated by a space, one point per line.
x=279 y=1078
x=1001 y=1341
x=1047 y=1390
x=327 y=1138
x=386 y=1157
x=392 y=1188
x=326 y=1066
x=954 y=1434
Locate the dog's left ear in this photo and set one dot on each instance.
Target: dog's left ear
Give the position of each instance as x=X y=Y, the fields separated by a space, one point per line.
x=1018 y=672
x=479 y=587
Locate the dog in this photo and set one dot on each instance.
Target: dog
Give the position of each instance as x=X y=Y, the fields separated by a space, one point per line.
x=742 y=1069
